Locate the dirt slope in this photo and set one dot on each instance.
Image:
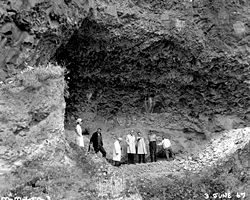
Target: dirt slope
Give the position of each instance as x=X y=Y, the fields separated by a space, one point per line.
x=223 y=161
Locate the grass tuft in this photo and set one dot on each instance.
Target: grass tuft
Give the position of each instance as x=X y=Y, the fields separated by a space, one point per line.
x=35 y=77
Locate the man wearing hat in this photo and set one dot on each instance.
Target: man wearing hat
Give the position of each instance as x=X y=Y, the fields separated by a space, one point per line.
x=117 y=151
x=79 y=137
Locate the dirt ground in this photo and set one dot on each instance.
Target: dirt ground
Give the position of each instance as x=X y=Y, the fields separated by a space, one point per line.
x=182 y=143
x=196 y=162
x=220 y=166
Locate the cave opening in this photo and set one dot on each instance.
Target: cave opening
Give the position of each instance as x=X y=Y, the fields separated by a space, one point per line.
x=114 y=76
x=110 y=75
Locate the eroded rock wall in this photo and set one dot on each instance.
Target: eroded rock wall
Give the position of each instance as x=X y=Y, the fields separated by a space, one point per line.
x=32 y=90
x=31 y=31
x=190 y=57
x=32 y=117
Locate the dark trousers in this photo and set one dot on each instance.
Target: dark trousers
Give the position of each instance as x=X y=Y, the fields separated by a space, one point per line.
x=131 y=158
x=141 y=158
x=102 y=150
x=152 y=150
x=168 y=152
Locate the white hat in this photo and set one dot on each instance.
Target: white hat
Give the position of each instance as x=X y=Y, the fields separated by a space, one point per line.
x=78 y=120
x=119 y=138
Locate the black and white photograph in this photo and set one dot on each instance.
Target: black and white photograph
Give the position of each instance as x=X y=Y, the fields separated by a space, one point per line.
x=124 y=99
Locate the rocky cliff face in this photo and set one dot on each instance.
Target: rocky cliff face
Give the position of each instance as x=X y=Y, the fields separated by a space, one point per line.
x=136 y=56
x=32 y=109
x=31 y=90
x=31 y=31
x=186 y=56
x=186 y=60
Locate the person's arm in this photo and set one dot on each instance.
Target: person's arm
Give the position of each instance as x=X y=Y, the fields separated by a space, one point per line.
x=90 y=141
x=148 y=138
x=78 y=130
x=161 y=143
x=116 y=148
x=169 y=143
x=136 y=141
x=127 y=140
x=144 y=146
x=101 y=141
x=139 y=139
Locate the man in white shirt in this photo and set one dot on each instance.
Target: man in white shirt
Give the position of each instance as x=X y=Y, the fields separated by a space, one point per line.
x=152 y=146
x=166 y=144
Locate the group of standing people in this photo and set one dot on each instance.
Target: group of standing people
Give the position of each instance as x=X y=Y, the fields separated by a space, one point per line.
x=135 y=144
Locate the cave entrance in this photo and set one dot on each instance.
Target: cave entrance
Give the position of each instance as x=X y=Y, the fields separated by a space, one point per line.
x=109 y=76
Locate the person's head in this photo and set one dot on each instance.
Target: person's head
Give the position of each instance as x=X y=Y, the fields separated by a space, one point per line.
x=151 y=132
x=79 y=121
x=165 y=137
x=99 y=130
x=139 y=133
x=119 y=139
x=132 y=132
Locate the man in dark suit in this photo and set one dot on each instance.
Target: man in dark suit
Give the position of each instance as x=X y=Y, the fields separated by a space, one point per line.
x=96 y=140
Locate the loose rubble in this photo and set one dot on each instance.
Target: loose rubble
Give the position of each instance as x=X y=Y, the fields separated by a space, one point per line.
x=217 y=151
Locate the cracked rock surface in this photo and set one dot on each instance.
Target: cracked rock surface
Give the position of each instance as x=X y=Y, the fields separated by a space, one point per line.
x=175 y=64
x=31 y=31
x=190 y=57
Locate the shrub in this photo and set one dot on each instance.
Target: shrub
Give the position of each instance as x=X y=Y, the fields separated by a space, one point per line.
x=34 y=77
x=29 y=80
x=49 y=72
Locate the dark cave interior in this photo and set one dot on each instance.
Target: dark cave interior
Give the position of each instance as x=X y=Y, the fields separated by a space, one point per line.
x=111 y=76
